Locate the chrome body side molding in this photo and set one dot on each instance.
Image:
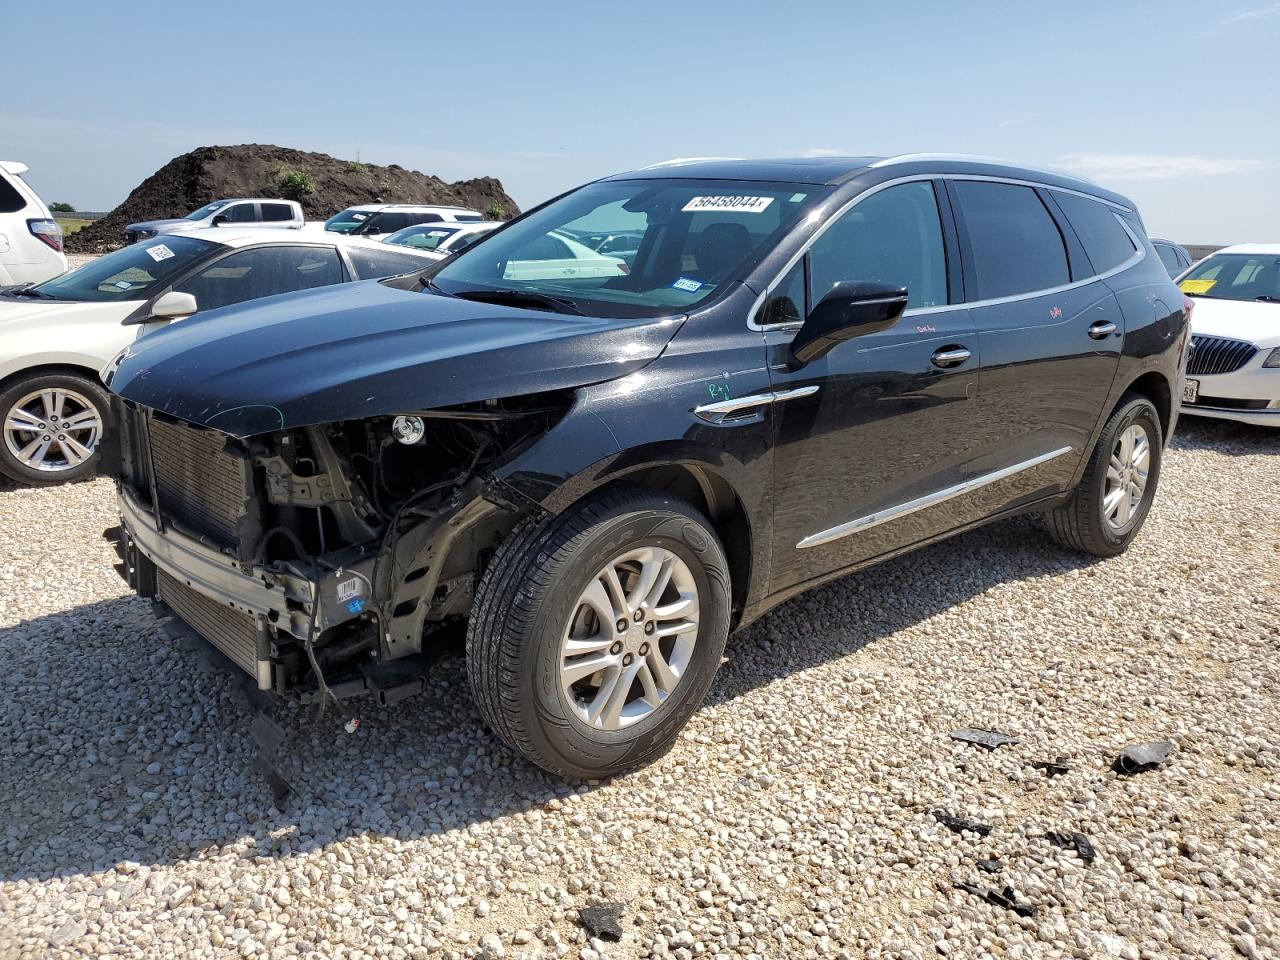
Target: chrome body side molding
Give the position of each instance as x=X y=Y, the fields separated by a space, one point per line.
x=722 y=410
x=929 y=500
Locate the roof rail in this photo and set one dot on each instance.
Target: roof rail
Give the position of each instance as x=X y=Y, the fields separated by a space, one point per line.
x=976 y=158
x=680 y=161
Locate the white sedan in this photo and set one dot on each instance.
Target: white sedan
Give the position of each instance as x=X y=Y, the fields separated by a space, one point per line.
x=55 y=336
x=441 y=239
x=1233 y=371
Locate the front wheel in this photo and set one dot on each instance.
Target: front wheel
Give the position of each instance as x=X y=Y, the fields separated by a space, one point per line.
x=1108 y=509
x=595 y=634
x=52 y=425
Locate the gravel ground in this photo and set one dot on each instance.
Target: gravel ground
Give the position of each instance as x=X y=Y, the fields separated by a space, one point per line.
x=793 y=817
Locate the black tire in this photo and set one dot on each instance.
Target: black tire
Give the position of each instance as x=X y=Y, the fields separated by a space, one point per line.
x=524 y=604
x=83 y=387
x=1081 y=523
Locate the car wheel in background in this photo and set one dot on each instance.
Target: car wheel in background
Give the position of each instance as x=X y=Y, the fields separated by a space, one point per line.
x=596 y=633
x=1109 y=507
x=52 y=424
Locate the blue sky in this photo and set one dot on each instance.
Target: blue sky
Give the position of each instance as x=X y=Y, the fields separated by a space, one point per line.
x=1172 y=103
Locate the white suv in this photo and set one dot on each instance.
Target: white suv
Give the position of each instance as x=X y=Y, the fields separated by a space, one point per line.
x=379 y=219
x=30 y=239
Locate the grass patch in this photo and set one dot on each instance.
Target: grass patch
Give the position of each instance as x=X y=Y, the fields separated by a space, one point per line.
x=71 y=224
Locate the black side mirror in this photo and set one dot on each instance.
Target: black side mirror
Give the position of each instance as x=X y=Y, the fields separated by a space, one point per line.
x=219 y=220
x=850 y=309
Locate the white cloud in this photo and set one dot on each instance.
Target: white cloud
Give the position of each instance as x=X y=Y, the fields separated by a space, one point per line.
x=1246 y=16
x=1152 y=166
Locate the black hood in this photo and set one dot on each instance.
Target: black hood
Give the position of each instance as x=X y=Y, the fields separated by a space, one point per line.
x=359 y=350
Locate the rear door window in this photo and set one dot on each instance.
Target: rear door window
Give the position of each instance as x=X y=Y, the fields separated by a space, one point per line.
x=1015 y=244
x=375 y=264
x=1105 y=241
x=276 y=212
x=11 y=201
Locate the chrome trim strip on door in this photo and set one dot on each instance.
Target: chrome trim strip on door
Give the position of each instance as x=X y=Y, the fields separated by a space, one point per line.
x=929 y=500
x=723 y=408
x=1139 y=254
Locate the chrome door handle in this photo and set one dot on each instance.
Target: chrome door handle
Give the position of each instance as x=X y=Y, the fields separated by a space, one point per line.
x=1102 y=329
x=723 y=410
x=950 y=356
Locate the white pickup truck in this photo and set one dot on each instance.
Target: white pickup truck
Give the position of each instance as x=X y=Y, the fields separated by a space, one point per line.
x=238 y=212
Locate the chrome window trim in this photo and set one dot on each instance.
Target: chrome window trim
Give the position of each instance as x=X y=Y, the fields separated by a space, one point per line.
x=1138 y=256
x=928 y=500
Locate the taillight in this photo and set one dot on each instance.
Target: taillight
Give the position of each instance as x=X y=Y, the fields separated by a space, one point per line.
x=1188 y=306
x=49 y=232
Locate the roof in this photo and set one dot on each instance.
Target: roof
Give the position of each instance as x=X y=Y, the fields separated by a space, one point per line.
x=1266 y=249
x=831 y=171
x=249 y=236
x=379 y=207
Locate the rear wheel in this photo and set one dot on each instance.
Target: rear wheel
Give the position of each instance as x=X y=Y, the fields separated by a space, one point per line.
x=1109 y=507
x=52 y=425
x=596 y=634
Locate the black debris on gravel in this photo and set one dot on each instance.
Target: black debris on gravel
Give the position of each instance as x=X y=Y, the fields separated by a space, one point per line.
x=990 y=739
x=1142 y=757
x=602 y=920
x=1073 y=841
x=1052 y=768
x=1004 y=897
x=957 y=825
x=990 y=866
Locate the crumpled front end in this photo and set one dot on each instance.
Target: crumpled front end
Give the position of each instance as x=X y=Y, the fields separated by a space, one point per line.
x=325 y=557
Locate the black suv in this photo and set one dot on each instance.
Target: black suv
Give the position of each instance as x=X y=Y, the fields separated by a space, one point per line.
x=604 y=465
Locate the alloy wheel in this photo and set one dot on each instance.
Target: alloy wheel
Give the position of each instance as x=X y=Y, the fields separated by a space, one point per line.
x=630 y=638
x=53 y=429
x=1127 y=473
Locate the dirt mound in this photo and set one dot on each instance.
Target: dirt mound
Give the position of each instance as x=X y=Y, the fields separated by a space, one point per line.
x=322 y=184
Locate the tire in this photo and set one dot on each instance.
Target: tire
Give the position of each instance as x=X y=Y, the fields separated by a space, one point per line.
x=25 y=456
x=534 y=595
x=1088 y=521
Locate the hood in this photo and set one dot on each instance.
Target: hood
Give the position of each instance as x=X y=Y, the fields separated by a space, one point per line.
x=19 y=314
x=359 y=350
x=1251 y=320
x=161 y=224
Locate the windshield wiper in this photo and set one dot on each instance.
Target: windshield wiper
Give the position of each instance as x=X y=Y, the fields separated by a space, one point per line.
x=1268 y=298
x=517 y=298
x=30 y=292
x=429 y=284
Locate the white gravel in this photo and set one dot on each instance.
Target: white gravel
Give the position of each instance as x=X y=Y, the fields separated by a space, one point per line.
x=791 y=819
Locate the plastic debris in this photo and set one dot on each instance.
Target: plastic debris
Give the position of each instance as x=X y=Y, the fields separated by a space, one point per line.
x=1004 y=897
x=1053 y=768
x=1073 y=841
x=602 y=920
x=1143 y=756
x=983 y=738
x=957 y=825
x=990 y=866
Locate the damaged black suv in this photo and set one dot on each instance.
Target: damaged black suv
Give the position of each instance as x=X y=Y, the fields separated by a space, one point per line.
x=604 y=464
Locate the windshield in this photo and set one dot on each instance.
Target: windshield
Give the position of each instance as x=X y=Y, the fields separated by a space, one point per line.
x=206 y=210
x=132 y=273
x=425 y=236
x=348 y=221
x=1235 y=276
x=687 y=239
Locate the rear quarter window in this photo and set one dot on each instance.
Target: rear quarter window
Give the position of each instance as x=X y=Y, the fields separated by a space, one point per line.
x=11 y=201
x=1105 y=241
x=1016 y=245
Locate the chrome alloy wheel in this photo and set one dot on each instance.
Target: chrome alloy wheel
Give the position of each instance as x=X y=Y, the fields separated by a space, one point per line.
x=630 y=638
x=52 y=429
x=1127 y=473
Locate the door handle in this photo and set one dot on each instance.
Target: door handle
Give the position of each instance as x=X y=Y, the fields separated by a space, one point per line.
x=1102 y=329
x=951 y=356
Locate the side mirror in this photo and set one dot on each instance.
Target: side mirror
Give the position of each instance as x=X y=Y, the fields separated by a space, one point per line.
x=850 y=309
x=172 y=305
x=219 y=220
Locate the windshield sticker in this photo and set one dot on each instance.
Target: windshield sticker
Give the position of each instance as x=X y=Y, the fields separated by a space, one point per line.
x=122 y=284
x=438 y=233
x=797 y=197
x=685 y=283
x=729 y=204
x=1197 y=286
x=159 y=252
x=359 y=217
